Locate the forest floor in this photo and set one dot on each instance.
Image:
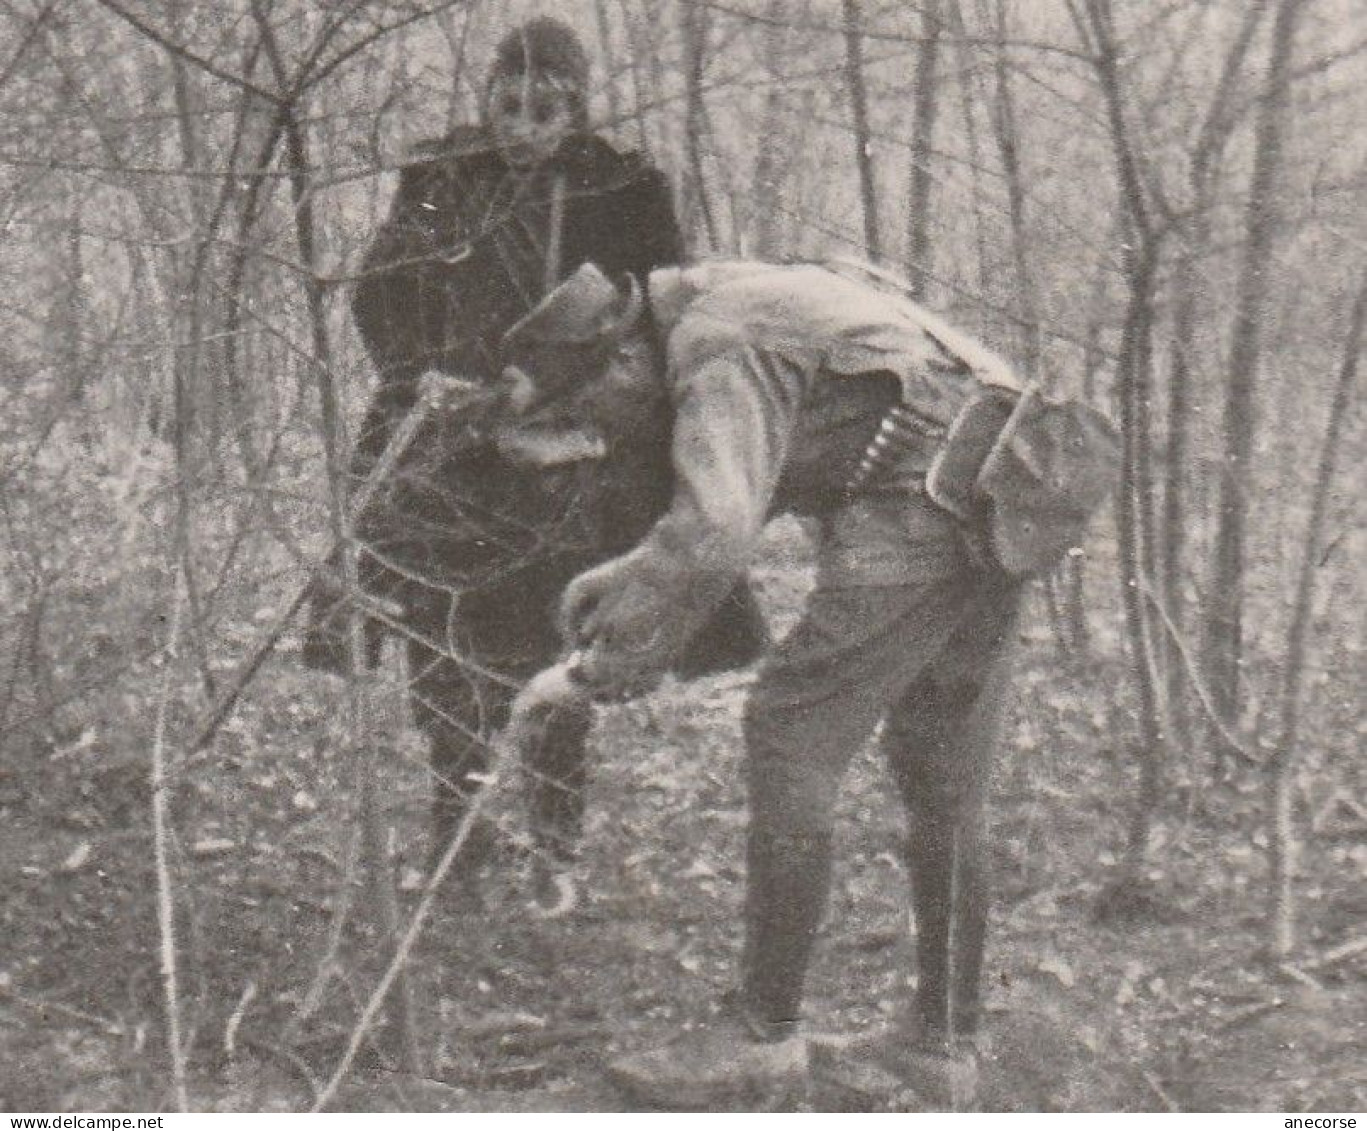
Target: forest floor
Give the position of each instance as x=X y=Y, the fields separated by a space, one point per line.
x=1146 y=1004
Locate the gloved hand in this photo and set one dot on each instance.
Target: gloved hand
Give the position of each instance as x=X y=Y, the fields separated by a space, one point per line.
x=612 y=617
x=580 y=602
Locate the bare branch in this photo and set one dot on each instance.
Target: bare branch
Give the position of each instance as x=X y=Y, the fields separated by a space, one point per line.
x=894 y=37
x=208 y=66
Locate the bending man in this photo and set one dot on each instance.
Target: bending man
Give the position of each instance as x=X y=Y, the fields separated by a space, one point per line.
x=937 y=485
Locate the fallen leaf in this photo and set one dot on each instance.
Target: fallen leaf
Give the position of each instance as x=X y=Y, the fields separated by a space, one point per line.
x=84 y=742
x=1058 y=968
x=78 y=858
x=503 y=1021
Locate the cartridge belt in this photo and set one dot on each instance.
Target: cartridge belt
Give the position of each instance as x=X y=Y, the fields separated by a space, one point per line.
x=903 y=433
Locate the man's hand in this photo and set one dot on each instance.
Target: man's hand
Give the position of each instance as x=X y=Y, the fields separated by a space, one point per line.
x=618 y=624
x=582 y=597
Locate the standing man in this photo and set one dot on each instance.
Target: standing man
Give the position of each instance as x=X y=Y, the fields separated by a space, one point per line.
x=938 y=485
x=476 y=534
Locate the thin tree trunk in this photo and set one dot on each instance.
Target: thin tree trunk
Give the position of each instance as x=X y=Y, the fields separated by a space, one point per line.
x=1142 y=240
x=924 y=110
x=1142 y=245
x=68 y=317
x=457 y=42
x=1008 y=148
x=1145 y=491
x=642 y=47
x=1075 y=603
x=697 y=211
x=1281 y=840
x=361 y=737
x=610 y=89
x=1195 y=236
x=194 y=406
x=969 y=96
x=199 y=386
x=773 y=159
x=161 y=841
x=1135 y=356
x=243 y=200
x=1225 y=592
x=1196 y=243
x=863 y=140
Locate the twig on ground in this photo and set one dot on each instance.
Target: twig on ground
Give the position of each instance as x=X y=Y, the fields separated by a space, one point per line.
x=535 y=1043
x=1336 y=954
x=1244 y=1014
x=44 y=1007
x=291 y=1059
x=235 y=1020
x=1228 y=993
x=1295 y=974
x=1152 y=1081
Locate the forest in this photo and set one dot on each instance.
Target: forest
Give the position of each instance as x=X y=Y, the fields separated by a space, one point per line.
x=214 y=894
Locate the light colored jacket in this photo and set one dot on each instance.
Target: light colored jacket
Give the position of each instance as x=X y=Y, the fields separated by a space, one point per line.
x=761 y=362
x=821 y=318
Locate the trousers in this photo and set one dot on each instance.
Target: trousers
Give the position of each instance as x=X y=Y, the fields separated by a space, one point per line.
x=909 y=627
x=465 y=667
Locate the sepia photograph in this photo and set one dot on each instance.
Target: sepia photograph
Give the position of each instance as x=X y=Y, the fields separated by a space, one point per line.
x=738 y=556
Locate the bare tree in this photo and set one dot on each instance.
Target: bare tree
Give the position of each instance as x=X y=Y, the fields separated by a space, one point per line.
x=697 y=208
x=1005 y=130
x=1143 y=239
x=1223 y=648
x=925 y=107
x=774 y=158
x=863 y=139
x=1194 y=231
x=1279 y=773
x=610 y=83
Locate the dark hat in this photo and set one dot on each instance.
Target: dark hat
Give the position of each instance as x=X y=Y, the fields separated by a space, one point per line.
x=546 y=45
x=585 y=309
